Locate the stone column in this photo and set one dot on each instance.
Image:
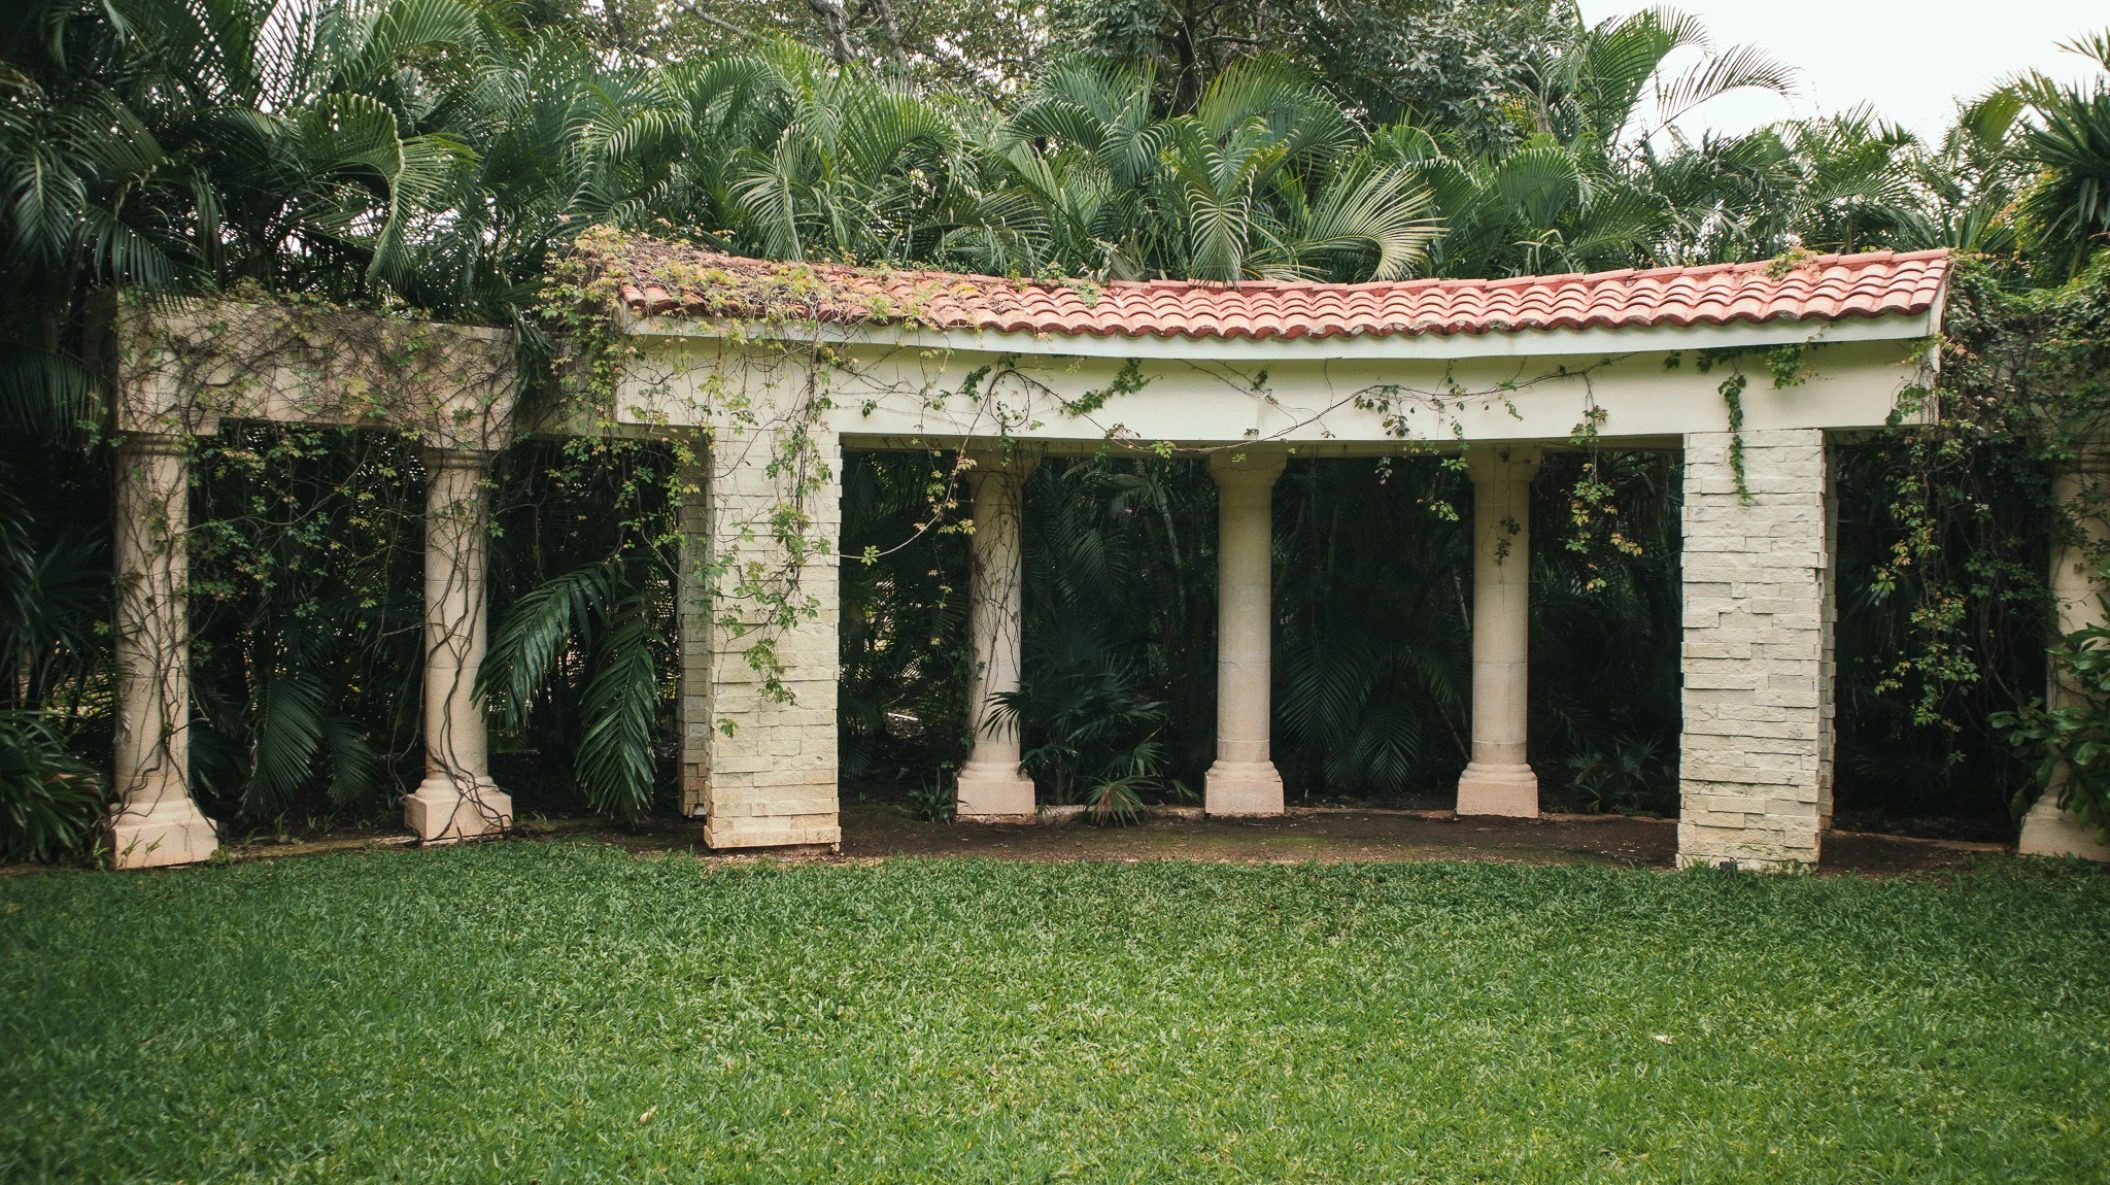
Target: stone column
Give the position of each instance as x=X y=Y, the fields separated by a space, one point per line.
x=154 y=821
x=1243 y=781
x=1755 y=757
x=991 y=788
x=692 y=603
x=2047 y=830
x=457 y=800
x=762 y=522
x=1499 y=779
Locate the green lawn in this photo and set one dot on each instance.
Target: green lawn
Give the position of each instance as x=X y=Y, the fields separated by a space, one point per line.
x=564 y=1012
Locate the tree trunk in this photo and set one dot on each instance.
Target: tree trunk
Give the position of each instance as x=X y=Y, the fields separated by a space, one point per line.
x=831 y=13
x=885 y=11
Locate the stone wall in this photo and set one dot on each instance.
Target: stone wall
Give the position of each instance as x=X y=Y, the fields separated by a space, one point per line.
x=1756 y=755
x=761 y=772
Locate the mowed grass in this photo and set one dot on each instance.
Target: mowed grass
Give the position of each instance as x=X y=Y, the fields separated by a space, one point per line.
x=561 y=1012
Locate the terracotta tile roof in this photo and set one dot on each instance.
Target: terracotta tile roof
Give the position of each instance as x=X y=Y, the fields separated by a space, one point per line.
x=658 y=277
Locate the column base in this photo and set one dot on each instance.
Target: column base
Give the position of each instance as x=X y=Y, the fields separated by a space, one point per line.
x=1780 y=865
x=801 y=832
x=1508 y=790
x=172 y=831
x=440 y=812
x=2049 y=831
x=1242 y=788
x=993 y=794
x=1744 y=842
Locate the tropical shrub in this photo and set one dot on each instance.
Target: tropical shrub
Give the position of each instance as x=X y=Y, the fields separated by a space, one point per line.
x=50 y=801
x=2069 y=744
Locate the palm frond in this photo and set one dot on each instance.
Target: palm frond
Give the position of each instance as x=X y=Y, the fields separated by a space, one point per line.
x=544 y=624
x=284 y=739
x=616 y=762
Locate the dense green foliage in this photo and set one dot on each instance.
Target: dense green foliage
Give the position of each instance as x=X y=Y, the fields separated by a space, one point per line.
x=576 y=1013
x=442 y=155
x=2073 y=740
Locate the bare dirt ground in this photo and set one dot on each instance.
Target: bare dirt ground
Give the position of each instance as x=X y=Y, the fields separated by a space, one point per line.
x=1335 y=835
x=877 y=830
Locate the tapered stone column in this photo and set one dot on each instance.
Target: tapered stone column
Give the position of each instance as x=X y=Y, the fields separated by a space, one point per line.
x=2047 y=830
x=1243 y=781
x=1499 y=780
x=154 y=821
x=457 y=799
x=991 y=788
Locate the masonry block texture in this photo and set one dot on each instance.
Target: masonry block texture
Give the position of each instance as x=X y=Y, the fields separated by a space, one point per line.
x=1759 y=665
x=761 y=772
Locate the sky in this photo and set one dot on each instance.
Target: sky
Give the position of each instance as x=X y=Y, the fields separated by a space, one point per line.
x=1910 y=60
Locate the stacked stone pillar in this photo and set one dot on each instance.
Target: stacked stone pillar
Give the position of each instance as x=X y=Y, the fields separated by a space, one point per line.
x=991 y=788
x=692 y=604
x=457 y=799
x=761 y=522
x=154 y=821
x=1756 y=754
x=1499 y=779
x=1243 y=780
x=2079 y=486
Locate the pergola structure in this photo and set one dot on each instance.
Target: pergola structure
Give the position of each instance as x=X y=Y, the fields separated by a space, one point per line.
x=773 y=370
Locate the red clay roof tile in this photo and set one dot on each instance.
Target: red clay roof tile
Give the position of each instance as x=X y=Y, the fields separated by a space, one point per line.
x=657 y=277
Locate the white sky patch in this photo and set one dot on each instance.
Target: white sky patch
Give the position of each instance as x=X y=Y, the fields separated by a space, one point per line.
x=1910 y=61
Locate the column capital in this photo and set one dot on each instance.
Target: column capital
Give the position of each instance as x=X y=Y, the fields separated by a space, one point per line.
x=2091 y=455
x=436 y=457
x=1248 y=465
x=1499 y=461
x=1012 y=459
x=156 y=444
x=2091 y=463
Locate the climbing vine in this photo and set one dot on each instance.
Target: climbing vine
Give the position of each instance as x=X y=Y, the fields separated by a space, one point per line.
x=1788 y=365
x=1964 y=520
x=637 y=429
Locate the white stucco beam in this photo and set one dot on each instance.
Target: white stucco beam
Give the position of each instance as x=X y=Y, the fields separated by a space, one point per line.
x=1529 y=343
x=1364 y=405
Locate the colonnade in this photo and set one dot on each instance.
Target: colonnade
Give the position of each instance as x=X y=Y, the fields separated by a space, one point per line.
x=1243 y=780
x=155 y=821
x=1757 y=664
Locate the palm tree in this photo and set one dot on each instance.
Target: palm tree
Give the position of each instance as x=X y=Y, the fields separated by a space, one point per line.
x=2068 y=209
x=1267 y=177
x=1585 y=188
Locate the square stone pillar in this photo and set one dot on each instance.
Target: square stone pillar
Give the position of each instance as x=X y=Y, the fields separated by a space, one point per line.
x=761 y=524
x=155 y=821
x=692 y=604
x=1756 y=753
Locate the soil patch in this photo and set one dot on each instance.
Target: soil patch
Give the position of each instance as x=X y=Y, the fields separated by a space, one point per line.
x=1324 y=835
x=1338 y=835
